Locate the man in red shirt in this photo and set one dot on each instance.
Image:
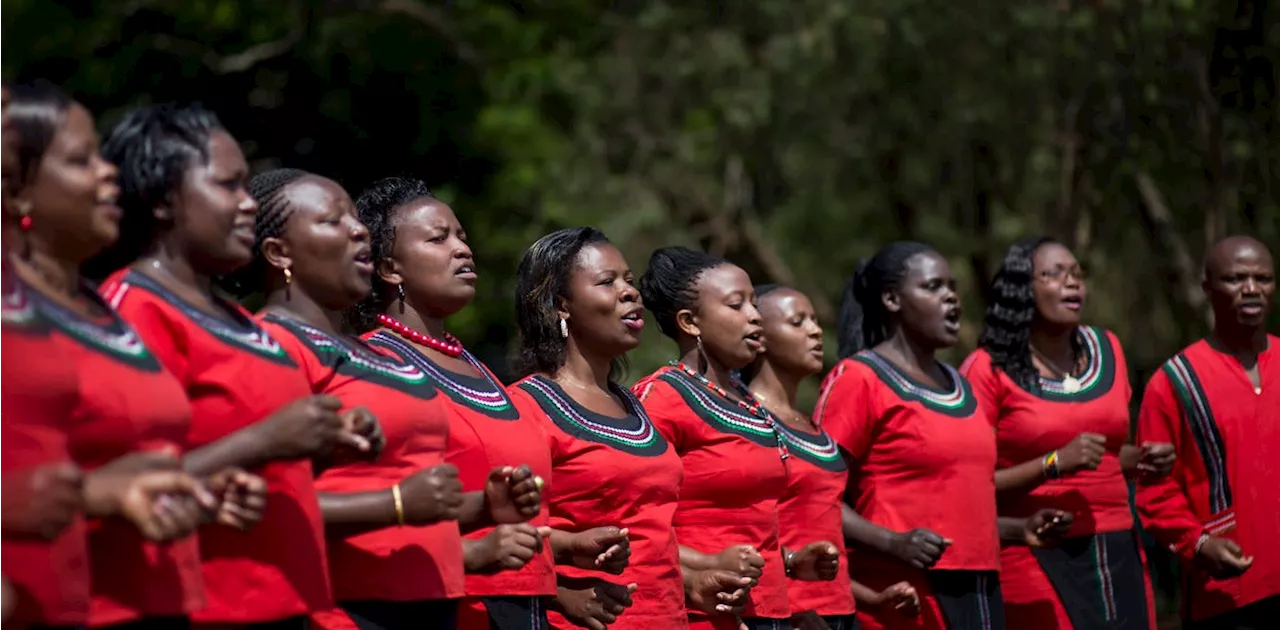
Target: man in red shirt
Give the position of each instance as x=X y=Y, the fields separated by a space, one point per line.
x=1218 y=402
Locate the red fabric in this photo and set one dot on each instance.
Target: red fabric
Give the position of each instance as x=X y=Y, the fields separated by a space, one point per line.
x=730 y=491
x=127 y=405
x=916 y=467
x=394 y=563
x=600 y=486
x=277 y=569
x=1028 y=426
x=480 y=442
x=1177 y=509
x=50 y=578
x=808 y=512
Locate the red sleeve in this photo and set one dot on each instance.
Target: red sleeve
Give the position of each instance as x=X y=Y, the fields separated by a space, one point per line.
x=165 y=335
x=844 y=409
x=984 y=378
x=662 y=403
x=550 y=433
x=1162 y=504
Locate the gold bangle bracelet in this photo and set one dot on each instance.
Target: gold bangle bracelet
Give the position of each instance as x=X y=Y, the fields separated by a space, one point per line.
x=395 y=494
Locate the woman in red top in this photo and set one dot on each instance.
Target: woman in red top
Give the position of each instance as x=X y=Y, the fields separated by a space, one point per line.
x=123 y=400
x=1057 y=394
x=579 y=314
x=188 y=219
x=734 y=462
x=816 y=474
x=424 y=273
x=921 y=452
x=393 y=525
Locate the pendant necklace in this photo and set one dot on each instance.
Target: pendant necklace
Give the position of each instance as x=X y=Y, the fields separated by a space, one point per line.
x=1070 y=384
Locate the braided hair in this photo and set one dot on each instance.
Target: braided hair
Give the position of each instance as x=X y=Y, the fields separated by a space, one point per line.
x=153 y=147
x=376 y=207
x=542 y=281
x=667 y=285
x=1006 y=327
x=267 y=188
x=863 y=321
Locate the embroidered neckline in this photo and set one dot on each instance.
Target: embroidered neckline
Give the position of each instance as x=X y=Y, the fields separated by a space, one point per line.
x=957 y=402
x=110 y=335
x=633 y=434
x=816 y=448
x=356 y=360
x=484 y=394
x=720 y=413
x=1097 y=377
x=242 y=333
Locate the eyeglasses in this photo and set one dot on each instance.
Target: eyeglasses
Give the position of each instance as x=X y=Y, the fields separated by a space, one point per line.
x=1062 y=273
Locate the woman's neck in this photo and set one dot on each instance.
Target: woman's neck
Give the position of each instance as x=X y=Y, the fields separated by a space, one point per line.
x=1055 y=342
x=178 y=268
x=295 y=303
x=713 y=370
x=915 y=356
x=584 y=371
x=775 y=388
x=54 y=277
x=429 y=325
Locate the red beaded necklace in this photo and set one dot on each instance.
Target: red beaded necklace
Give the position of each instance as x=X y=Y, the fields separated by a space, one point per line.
x=449 y=346
x=747 y=401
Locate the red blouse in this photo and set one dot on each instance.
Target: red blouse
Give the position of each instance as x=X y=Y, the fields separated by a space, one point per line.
x=1028 y=425
x=1227 y=435
x=236 y=375
x=487 y=430
x=50 y=578
x=926 y=458
x=614 y=472
x=733 y=478
x=128 y=402
x=809 y=511
x=409 y=563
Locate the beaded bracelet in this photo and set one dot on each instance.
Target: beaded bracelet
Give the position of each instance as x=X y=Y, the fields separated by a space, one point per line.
x=1049 y=465
x=395 y=495
x=1204 y=538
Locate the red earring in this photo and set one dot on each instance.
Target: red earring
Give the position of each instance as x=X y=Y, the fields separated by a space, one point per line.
x=24 y=209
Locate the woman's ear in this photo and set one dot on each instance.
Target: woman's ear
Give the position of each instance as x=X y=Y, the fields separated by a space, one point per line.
x=892 y=303
x=388 y=270
x=687 y=322
x=276 y=252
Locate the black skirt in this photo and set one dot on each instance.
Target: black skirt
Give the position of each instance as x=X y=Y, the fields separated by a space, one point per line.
x=1100 y=580
x=970 y=600
x=516 y=613
x=431 y=614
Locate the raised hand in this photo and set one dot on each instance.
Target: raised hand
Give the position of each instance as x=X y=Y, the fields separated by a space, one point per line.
x=166 y=504
x=1082 y=453
x=919 y=548
x=242 y=497
x=592 y=603
x=1046 y=527
x=903 y=598
x=717 y=591
x=42 y=501
x=743 y=560
x=605 y=549
x=1223 y=558
x=362 y=432
x=507 y=548
x=816 y=562
x=1156 y=460
x=431 y=495
x=309 y=427
x=513 y=495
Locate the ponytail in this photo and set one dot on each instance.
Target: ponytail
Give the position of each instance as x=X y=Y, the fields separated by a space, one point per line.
x=863 y=321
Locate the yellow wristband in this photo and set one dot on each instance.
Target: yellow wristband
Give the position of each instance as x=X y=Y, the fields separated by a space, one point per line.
x=395 y=494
